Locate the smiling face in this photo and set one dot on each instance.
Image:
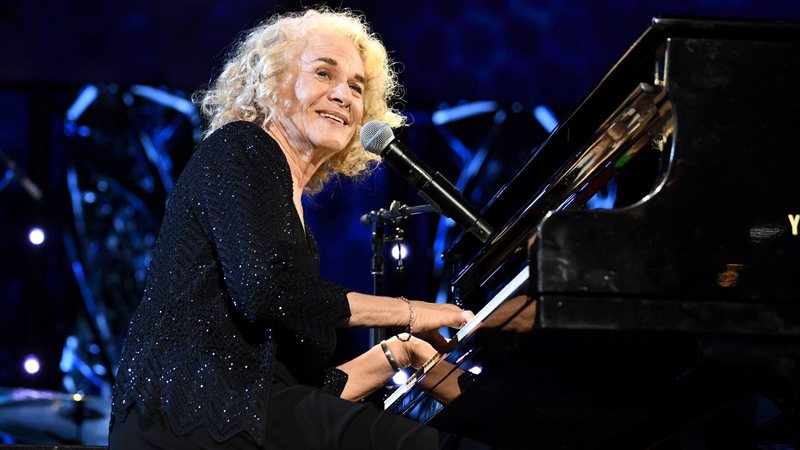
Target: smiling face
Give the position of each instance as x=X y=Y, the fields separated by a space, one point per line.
x=323 y=105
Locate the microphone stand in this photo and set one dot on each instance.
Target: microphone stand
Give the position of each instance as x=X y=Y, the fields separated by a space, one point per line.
x=386 y=227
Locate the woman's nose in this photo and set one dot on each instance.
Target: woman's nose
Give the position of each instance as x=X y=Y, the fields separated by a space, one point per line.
x=341 y=94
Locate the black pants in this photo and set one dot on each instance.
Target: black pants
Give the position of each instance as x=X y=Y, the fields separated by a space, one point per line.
x=299 y=417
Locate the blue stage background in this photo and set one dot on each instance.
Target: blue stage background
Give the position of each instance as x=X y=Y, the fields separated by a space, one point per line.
x=95 y=112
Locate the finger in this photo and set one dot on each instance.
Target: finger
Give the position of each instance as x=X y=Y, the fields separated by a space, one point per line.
x=436 y=340
x=464 y=317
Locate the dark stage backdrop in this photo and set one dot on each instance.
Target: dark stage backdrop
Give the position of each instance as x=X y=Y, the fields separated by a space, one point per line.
x=95 y=113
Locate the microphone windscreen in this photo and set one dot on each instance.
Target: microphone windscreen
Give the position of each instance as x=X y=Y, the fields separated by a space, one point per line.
x=375 y=136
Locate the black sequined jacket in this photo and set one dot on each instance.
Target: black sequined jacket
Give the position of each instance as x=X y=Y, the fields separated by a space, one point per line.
x=223 y=286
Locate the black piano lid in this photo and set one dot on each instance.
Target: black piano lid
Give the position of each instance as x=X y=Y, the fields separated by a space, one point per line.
x=713 y=248
x=601 y=101
x=636 y=65
x=644 y=358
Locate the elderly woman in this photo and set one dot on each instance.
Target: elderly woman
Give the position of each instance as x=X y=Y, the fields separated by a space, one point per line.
x=228 y=348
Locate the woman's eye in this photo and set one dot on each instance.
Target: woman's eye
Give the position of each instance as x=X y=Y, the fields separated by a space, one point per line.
x=323 y=73
x=356 y=88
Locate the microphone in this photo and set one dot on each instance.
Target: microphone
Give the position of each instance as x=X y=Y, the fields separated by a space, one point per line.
x=378 y=138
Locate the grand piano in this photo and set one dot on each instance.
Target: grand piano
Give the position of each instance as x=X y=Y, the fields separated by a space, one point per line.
x=671 y=322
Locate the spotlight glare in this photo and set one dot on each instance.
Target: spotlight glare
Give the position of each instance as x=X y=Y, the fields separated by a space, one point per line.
x=400 y=378
x=400 y=251
x=31 y=364
x=36 y=236
x=476 y=370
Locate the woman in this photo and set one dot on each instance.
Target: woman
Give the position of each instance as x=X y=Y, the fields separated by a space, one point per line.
x=229 y=344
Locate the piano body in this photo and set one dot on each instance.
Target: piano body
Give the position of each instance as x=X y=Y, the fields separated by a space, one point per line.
x=669 y=323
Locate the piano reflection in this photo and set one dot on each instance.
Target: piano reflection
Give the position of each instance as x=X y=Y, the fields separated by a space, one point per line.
x=671 y=322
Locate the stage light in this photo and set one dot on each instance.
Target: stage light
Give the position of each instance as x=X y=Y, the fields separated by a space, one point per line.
x=461 y=112
x=400 y=251
x=99 y=369
x=69 y=383
x=164 y=98
x=85 y=98
x=36 y=236
x=400 y=378
x=31 y=364
x=546 y=117
x=74 y=129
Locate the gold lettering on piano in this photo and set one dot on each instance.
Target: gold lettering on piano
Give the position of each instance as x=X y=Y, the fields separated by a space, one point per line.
x=794 y=220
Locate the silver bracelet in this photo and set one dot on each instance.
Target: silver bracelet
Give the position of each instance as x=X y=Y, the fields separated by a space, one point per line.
x=410 y=318
x=389 y=356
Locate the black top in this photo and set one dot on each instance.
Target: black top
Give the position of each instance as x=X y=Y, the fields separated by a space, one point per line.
x=233 y=276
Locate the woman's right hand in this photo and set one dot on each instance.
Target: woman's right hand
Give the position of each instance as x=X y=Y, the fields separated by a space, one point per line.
x=441 y=379
x=414 y=351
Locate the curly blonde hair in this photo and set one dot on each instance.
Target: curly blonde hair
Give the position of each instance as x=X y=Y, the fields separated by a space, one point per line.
x=247 y=87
